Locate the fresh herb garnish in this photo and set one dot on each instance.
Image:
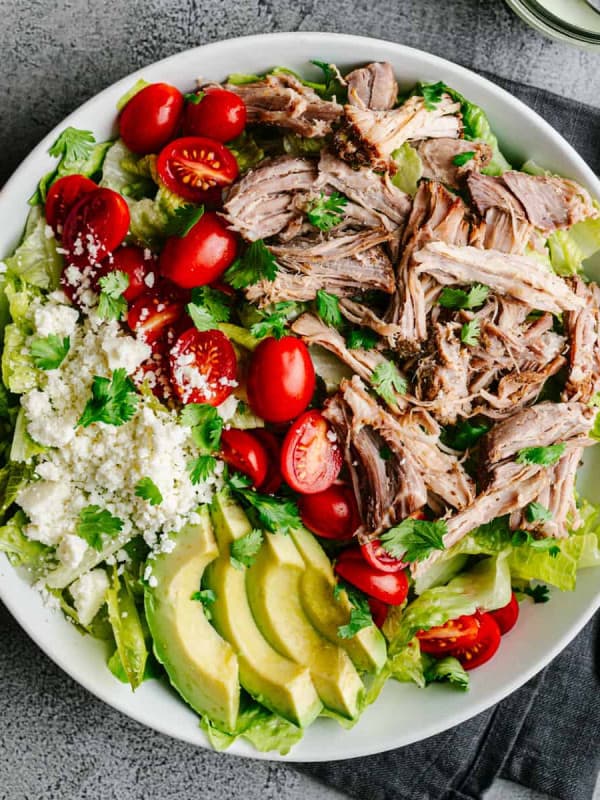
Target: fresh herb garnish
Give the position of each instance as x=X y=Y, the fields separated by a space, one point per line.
x=95 y=523
x=465 y=434
x=255 y=264
x=273 y=324
x=536 y=512
x=469 y=333
x=432 y=93
x=387 y=381
x=326 y=211
x=207 y=597
x=544 y=456
x=458 y=298
x=521 y=538
x=362 y=339
x=73 y=146
x=328 y=308
x=206 y=425
x=244 y=550
x=332 y=86
x=183 y=220
x=360 y=614
x=461 y=159
x=207 y=308
x=114 y=401
x=50 y=352
x=148 y=490
x=539 y=593
x=112 y=304
x=414 y=539
x=275 y=514
x=201 y=468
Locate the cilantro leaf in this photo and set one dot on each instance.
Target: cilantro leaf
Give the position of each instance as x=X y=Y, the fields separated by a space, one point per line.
x=183 y=220
x=73 y=146
x=414 y=539
x=271 y=325
x=207 y=308
x=201 y=468
x=387 y=381
x=362 y=339
x=539 y=593
x=275 y=514
x=469 y=333
x=243 y=551
x=465 y=434
x=326 y=211
x=194 y=97
x=544 y=456
x=458 y=298
x=95 y=523
x=206 y=425
x=360 y=614
x=255 y=264
x=332 y=86
x=50 y=352
x=328 y=308
x=239 y=481
x=207 y=597
x=536 y=512
x=521 y=538
x=113 y=401
x=148 y=490
x=461 y=159
x=432 y=93
x=112 y=304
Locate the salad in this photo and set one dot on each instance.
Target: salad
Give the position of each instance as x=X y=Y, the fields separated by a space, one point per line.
x=296 y=379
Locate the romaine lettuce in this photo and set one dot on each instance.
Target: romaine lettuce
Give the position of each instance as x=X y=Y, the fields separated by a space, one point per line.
x=18 y=371
x=246 y=150
x=409 y=169
x=23 y=447
x=20 y=550
x=127 y=629
x=36 y=260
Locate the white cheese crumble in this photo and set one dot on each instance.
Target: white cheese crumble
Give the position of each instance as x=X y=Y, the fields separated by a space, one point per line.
x=89 y=593
x=51 y=318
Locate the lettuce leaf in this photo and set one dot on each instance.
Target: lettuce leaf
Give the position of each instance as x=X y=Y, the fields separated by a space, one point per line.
x=410 y=169
x=15 y=475
x=20 y=550
x=296 y=145
x=448 y=670
x=18 y=371
x=246 y=150
x=36 y=260
x=569 y=249
x=23 y=447
x=127 y=630
x=125 y=98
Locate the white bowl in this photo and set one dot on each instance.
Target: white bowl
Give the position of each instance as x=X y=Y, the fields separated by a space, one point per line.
x=404 y=713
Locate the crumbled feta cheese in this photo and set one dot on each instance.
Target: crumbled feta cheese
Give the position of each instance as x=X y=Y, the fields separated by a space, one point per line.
x=71 y=550
x=53 y=318
x=126 y=352
x=150 y=279
x=89 y=594
x=331 y=435
x=228 y=408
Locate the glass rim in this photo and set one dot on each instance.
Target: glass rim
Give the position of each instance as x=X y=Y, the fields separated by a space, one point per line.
x=553 y=24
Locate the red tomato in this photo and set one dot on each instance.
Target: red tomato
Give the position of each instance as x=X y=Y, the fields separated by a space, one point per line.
x=461 y=632
x=62 y=196
x=242 y=451
x=379 y=558
x=200 y=256
x=152 y=314
x=95 y=226
x=269 y=441
x=487 y=642
x=203 y=367
x=151 y=118
x=132 y=262
x=310 y=460
x=281 y=379
x=388 y=587
x=154 y=372
x=506 y=617
x=332 y=514
x=194 y=164
x=379 y=611
x=220 y=114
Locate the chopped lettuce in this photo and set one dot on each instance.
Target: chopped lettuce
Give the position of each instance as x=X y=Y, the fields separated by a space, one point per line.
x=128 y=630
x=409 y=169
x=15 y=475
x=18 y=371
x=137 y=87
x=295 y=145
x=36 y=260
x=23 y=447
x=477 y=129
x=448 y=670
x=20 y=550
x=570 y=248
x=246 y=150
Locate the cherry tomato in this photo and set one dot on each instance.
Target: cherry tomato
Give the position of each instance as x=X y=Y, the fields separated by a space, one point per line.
x=379 y=611
x=487 y=642
x=375 y=555
x=95 y=226
x=200 y=256
x=461 y=632
x=203 y=367
x=154 y=372
x=281 y=379
x=194 y=164
x=242 y=451
x=269 y=441
x=151 y=118
x=220 y=114
x=332 y=514
x=152 y=314
x=310 y=460
x=506 y=617
x=62 y=196
x=136 y=266
x=388 y=587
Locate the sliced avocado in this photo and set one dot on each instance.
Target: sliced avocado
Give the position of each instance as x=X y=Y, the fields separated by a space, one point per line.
x=275 y=681
x=273 y=585
x=367 y=648
x=200 y=664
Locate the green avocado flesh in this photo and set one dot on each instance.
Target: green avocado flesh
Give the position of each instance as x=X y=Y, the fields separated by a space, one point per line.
x=200 y=664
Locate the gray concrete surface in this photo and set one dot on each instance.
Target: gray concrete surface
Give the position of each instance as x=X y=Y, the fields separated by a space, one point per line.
x=56 y=741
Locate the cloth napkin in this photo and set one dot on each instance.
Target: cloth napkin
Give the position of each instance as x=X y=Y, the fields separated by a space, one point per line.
x=545 y=735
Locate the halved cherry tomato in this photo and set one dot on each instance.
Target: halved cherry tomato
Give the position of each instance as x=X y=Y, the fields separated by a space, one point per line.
x=389 y=587
x=379 y=611
x=154 y=372
x=281 y=379
x=203 y=367
x=136 y=266
x=242 y=451
x=95 y=226
x=487 y=642
x=269 y=441
x=506 y=617
x=62 y=196
x=202 y=255
x=151 y=118
x=194 y=164
x=380 y=559
x=460 y=632
x=310 y=457
x=152 y=314
x=220 y=114
x=332 y=513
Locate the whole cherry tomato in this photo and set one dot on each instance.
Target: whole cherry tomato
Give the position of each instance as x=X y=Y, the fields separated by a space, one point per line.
x=217 y=113
x=269 y=441
x=62 y=196
x=152 y=314
x=141 y=271
x=95 y=226
x=151 y=118
x=388 y=587
x=243 y=452
x=332 y=514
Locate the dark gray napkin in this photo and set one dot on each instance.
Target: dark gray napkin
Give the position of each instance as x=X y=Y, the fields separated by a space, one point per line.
x=546 y=735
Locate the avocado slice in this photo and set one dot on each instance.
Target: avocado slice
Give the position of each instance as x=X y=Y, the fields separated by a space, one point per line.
x=275 y=681
x=367 y=648
x=201 y=666
x=273 y=586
